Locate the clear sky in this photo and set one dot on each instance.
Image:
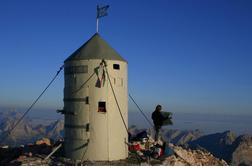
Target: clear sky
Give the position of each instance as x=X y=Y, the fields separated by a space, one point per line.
x=188 y=55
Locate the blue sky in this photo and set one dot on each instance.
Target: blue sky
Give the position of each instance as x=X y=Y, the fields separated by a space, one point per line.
x=188 y=55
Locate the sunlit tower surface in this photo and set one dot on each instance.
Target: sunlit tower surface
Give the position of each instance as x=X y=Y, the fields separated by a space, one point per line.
x=95 y=122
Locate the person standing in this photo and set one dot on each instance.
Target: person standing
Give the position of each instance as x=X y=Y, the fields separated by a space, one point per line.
x=158 y=119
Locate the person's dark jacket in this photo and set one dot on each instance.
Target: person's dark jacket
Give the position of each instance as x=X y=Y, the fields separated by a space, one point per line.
x=158 y=118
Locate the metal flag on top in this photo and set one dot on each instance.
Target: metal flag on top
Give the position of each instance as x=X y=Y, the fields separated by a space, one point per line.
x=101 y=12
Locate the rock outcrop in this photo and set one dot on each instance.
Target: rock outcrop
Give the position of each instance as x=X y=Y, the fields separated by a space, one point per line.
x=187 y=157
x=35 y=155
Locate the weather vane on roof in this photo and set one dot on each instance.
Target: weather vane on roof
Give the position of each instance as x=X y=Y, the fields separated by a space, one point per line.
x=101 y=12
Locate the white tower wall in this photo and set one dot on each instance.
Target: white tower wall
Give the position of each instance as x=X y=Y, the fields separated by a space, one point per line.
x=105 y=131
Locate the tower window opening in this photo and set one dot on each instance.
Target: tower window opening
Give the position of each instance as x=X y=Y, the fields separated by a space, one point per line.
x=116 y=66
x=102 y=106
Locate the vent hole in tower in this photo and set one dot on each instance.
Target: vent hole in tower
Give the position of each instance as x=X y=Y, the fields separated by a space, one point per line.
x=102 y=107
x=116 y=66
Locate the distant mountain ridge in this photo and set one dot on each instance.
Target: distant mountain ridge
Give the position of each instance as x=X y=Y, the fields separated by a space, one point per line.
x=27 y=131
x=181 y=137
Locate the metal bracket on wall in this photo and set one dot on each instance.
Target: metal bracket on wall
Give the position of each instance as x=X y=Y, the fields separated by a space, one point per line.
x=66 y=112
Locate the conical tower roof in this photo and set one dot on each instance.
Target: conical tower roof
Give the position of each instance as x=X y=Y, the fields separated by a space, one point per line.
x=95 y=48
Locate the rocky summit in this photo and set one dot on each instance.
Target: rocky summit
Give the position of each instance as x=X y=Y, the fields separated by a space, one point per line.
x=35 y=155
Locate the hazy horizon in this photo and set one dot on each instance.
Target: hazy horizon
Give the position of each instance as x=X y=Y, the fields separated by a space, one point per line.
x=207 y=123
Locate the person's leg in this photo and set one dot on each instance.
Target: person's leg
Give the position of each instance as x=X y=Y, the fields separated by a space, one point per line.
x=157 y=128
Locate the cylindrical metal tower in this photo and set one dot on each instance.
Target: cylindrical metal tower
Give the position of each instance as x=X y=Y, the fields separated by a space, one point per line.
x=94 y=129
